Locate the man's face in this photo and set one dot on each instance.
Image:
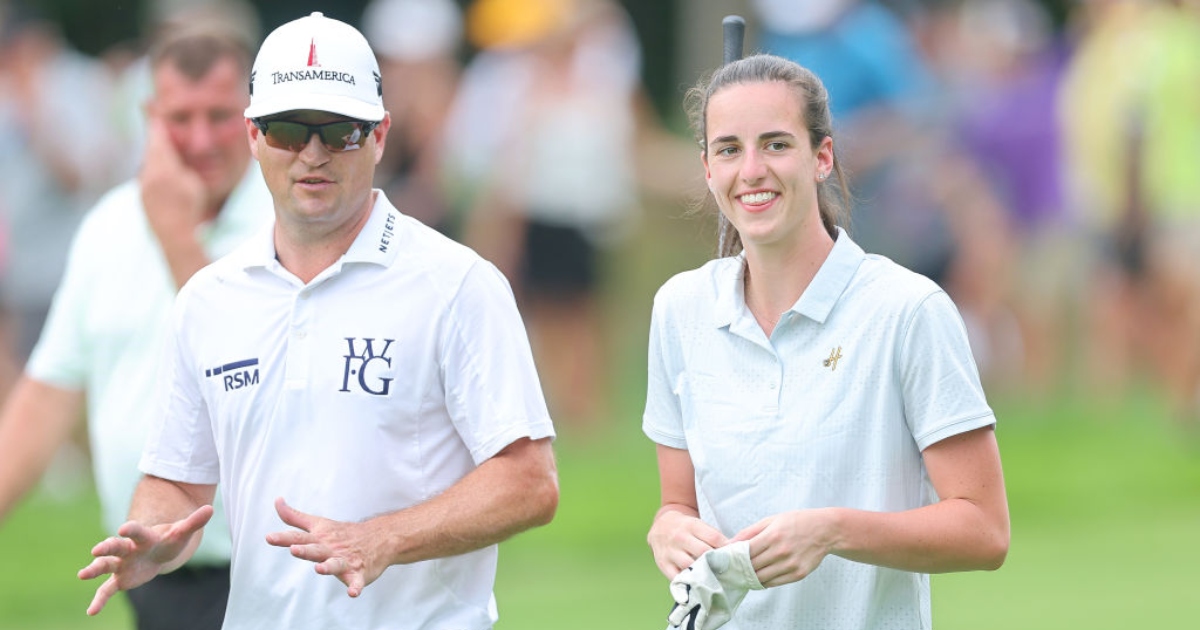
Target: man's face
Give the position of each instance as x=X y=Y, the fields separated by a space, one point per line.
x=205 y=122
x=316 y=187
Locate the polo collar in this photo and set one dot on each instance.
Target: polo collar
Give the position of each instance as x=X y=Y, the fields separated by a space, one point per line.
x=831 y=280
x=376 y=243
x=817 y=301
x=379 y=240
x=730 y=289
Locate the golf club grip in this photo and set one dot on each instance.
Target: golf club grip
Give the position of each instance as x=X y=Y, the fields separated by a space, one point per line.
x=734 y=28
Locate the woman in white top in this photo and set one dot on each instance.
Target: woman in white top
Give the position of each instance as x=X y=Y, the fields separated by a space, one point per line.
x=819 y=402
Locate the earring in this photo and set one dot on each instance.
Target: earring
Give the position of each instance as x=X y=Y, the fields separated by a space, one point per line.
x=821 y=177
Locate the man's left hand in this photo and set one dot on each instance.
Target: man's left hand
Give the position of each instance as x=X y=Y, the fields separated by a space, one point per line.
x=347 y=551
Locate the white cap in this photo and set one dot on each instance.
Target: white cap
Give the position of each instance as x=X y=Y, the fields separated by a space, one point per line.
x=316 y=63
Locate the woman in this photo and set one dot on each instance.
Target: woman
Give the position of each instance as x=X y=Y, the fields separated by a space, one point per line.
x=818 y=402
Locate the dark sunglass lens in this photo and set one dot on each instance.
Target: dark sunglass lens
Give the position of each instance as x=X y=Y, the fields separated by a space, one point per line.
x=346 y=135
x=287 y=135
x=342 y=136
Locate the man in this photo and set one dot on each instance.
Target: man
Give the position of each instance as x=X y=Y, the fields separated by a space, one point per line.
x=197 y=196
x=352 y=363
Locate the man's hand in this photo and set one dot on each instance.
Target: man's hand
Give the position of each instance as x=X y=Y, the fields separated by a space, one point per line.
x=175 y=200
x=677 y=540
x=173 y=195
x=788 y=547
x=347 y=551
x=138 y=553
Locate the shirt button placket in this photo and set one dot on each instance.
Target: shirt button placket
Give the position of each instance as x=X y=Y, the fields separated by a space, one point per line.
x=299 y=349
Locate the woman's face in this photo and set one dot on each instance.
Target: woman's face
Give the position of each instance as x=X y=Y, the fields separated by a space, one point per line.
x=760 y=165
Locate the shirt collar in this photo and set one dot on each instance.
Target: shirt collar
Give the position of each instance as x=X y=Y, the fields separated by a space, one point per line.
x=377 y=242
x=831 y=280
x=815 y=303
x=730 y=289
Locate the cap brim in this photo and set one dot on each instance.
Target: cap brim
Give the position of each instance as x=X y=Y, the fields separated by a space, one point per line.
x=334 y=104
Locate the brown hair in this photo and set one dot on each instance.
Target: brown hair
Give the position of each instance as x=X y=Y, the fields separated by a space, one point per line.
x=194 y=50
x=814 y=105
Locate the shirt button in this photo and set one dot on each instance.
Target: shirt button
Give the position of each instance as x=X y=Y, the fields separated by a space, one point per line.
x=773 y=386
x=300 y=334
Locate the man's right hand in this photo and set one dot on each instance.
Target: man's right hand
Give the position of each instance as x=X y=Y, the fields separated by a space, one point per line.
x=138 y=553
x=173 y=195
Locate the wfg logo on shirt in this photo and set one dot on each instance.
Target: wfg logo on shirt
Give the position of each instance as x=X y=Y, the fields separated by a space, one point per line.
x=375 y=385
x=234 y=379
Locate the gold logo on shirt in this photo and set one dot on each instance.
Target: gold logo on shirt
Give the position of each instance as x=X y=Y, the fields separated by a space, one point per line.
x=834 y=356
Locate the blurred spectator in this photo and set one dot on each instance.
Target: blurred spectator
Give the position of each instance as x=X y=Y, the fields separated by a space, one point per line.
x=55 y=153
x=1011 y=68
x=920 y=198
x=1129 y=108
x=196 y=197
x=1017 y=251
x=541 y=145
x=417 y=43
x=128 y=64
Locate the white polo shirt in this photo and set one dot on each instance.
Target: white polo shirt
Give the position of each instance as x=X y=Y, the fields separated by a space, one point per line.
x=375 y=387
x=869 y=367
x=105 y=329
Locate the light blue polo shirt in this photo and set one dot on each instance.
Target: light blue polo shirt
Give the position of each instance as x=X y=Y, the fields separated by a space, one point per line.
x=868 y=368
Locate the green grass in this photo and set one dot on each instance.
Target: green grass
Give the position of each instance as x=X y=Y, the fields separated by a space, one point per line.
x=42 y=545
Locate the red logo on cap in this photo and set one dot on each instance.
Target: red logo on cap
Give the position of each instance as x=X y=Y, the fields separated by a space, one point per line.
x=312 y=55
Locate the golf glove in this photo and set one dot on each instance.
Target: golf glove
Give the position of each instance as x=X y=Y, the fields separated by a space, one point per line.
x=707 y=593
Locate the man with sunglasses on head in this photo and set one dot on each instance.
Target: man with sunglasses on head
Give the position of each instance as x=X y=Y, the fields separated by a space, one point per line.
x=361 y=386
x=197 y=196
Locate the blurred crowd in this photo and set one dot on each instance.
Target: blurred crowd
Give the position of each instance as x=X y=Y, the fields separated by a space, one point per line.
x=1044 y=171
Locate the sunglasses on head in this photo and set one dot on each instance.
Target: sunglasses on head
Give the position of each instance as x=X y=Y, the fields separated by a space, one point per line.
x=338 y=136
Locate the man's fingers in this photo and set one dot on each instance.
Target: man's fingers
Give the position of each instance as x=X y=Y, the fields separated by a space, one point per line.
x=340 y=568
x=100 y=566
x=112 y=546
x=355 y=585
x=194 y=521
x=103 y=594
x=133 y=533
x=312 y=553
x=293 y=517
x=289 y=538
x=332 y=566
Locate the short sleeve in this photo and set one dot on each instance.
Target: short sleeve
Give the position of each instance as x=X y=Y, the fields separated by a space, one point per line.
x=662 y=420
x=180 y=445
x=943 y=395
x=493 y=393
x=60 y=357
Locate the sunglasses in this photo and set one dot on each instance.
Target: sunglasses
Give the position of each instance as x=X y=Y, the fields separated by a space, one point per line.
x=338 y=136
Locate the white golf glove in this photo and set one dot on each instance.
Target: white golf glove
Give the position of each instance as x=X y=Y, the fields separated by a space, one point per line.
x=707 y=593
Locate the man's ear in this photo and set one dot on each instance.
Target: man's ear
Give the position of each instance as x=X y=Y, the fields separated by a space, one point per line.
x=252 y=132
x=381 y=132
